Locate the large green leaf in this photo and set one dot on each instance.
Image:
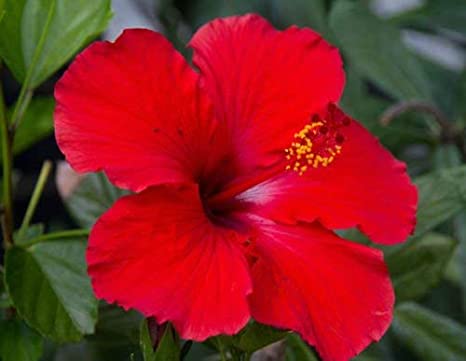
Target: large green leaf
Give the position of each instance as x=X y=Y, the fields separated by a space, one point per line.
x=429 y=335
x=41 y=35
x=374 y=47
x=49 y=287
x=168 y=348
x=18 y=342
x=419 y=265
x=93 y=196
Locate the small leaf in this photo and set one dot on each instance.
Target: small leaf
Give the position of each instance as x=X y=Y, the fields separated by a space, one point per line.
x=18 y=342
x=256 y=336
x=374 y=47
x=49 y=287
x=93 y=196
x=298 y=350
x=419 y=265
x=40 y=36
x=146 y=342
x=429 y=335
x=168 y=348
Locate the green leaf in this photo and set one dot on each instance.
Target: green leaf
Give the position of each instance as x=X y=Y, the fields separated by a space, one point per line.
x=117 y=326
x=447 y=156
x=49 y=287
x=18 y=342
x=441 y=195
x=168 y=348
x=36 y=124
x=146 y=343
x=93 y=196
x=375 y=49
x=298 y=350
x=419 y=265
x=429 y=335
x=116 y=335
x=256 y=336
x=40 y=36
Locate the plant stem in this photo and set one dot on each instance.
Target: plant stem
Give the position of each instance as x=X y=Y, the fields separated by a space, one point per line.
x=39 y=188
x=7 y=160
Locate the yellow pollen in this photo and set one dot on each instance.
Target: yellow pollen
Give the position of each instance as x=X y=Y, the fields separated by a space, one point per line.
x=307 y=146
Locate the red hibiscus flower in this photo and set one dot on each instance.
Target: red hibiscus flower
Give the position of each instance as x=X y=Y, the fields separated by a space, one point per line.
x=242 y=169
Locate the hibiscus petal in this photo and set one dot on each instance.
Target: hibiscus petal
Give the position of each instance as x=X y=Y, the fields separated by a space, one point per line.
x=158 y=253
x=336 y=294
x=133 y=108
x=265 y=83
x=364 y=186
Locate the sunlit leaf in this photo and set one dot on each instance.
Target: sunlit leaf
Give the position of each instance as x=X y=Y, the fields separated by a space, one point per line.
x=49 y=287
x=42 y=35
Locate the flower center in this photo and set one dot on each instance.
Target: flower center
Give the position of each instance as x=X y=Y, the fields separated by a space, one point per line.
x=318 y=143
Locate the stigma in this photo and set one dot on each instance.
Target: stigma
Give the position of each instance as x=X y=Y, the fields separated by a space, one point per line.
x=319 y=143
